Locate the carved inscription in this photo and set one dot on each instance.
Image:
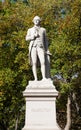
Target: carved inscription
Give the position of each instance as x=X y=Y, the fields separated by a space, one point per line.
x=41 y=110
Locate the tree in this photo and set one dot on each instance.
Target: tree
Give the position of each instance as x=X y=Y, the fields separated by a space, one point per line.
x=62 y=20
x=66 y=49
x=14 y=65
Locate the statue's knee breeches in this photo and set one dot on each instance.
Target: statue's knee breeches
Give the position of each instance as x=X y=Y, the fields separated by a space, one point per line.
x=41 y=55
x=34 y=55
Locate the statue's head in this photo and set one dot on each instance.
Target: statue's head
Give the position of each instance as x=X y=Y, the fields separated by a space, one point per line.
x=36 y=20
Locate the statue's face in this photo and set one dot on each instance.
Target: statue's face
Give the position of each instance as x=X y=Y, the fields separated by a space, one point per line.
x=36 y=21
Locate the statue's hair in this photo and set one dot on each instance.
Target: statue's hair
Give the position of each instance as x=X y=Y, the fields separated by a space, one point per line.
x=36 y=17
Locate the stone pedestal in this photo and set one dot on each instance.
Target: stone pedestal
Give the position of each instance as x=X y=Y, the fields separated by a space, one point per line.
x=40 y=99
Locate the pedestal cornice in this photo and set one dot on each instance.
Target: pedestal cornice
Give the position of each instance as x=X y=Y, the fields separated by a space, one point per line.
x=40 y=89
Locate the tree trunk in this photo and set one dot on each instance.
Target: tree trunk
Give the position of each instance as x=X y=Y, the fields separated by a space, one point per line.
x=16 y=124
x=68 y=124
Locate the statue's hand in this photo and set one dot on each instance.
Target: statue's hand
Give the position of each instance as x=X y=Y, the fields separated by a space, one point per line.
x=48 y=52
x=33 y=37
x=36 y=34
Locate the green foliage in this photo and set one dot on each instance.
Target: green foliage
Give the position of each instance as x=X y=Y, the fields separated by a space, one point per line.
x=62 y=20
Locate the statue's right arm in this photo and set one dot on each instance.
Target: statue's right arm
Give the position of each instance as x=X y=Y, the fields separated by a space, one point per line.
x=29 y=37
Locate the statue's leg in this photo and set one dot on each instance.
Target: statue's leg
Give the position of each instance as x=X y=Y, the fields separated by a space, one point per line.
x=41 y=56
x=34 y=60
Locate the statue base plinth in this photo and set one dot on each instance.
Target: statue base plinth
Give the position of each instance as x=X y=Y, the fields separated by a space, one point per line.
x=40 y=99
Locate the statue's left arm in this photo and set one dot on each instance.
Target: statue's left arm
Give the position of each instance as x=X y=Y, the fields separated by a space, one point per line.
x=46 y=43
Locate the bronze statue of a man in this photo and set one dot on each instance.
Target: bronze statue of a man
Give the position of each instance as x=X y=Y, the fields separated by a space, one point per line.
x=38 y=48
